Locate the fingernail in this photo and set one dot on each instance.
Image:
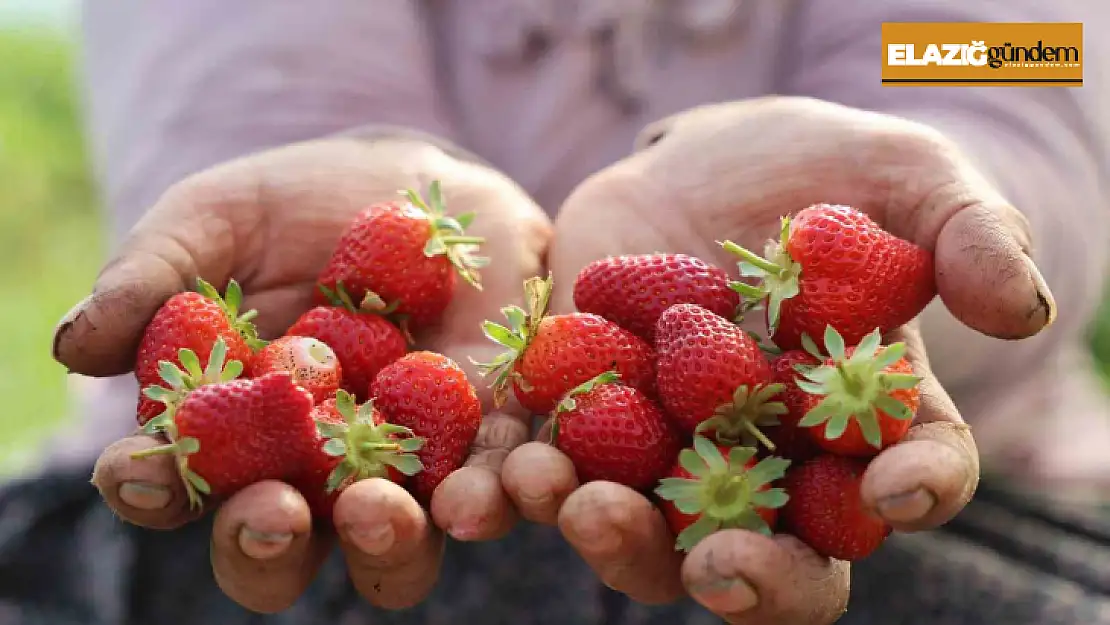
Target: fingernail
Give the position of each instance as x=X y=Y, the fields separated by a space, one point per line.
x=144 y=495
x=907 y=507
x=263 y=545
x=727 y=596
x=1045 y=301
x=535 y=500
x=374 y=540
x=66 y=321
x=464 y=531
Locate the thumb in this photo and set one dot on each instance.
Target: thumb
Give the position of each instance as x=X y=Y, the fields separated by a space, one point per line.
x=100 y=335
x=982 y=249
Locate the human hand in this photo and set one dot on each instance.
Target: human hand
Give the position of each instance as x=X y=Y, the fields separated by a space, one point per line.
x=730 y=171
x=271 y=221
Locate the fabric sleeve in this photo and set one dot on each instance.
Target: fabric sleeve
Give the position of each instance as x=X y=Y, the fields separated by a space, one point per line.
x=1046 y=149
x=175 y=87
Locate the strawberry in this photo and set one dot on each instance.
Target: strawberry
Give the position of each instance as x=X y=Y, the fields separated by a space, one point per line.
x=712 y=376
x=615 y=433
x=229 y=435
x=406 y=253
x=865 y=396
x=833 y=265
x=791 y=441
x=364 y=342
x=355 y=443
x=715 y=487
x=548 y=355
x=825 y=510
x=313 y=364
x=429 y=394
x=633 y=291
x=193 y=320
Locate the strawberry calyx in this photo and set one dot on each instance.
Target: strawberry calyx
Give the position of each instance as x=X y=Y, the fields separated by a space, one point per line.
x=371 y=304
x=368 y=447
x=569 y=401
x=776 y=273
x=231 y=302
x=523 y=324
x=738 y=421
x=856 y=387
x=724 y=493
x=447 y=235
x=179 y=381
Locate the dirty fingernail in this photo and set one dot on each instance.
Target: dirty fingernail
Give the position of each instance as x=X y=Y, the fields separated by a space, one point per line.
x=1046 y=303
x=144 y=495
x=907 y=507
x=727 y=596
x=264 y=545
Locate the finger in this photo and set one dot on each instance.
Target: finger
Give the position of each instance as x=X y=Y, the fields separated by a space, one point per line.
x=177 y=239
x=625 y=540
x=751 y=579
x=929 y=476
x=392 y=549
x=264 y=553
x=147 y=491
x=981 y=243
x=538 y=478
x=471 y=503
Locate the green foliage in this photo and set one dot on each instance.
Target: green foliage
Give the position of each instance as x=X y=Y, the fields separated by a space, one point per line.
x=49 y=232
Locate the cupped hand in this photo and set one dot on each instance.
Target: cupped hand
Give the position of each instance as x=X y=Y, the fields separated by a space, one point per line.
x=730 y=171
x=270 y=221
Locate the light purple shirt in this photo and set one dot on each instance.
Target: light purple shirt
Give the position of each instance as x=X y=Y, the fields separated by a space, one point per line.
x=550 y=91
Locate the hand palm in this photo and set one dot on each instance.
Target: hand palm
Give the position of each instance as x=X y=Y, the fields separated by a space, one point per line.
x=271 y=222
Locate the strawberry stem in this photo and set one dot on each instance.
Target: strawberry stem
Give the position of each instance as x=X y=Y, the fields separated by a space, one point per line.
x=367 y=447
x=856 y=387
x=751 y=257
x=738 y=421
x=447 y=236
x=776 y=271
x=523 y=324
x=230 y=303
x=723 y=492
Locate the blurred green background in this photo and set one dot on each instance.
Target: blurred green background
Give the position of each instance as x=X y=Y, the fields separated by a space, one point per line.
x=50 y=221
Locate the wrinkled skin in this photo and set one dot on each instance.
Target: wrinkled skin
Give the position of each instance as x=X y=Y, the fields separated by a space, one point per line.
x=729 y=171
x=271 y=221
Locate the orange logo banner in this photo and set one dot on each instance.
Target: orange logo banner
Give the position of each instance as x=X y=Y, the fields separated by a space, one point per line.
x=967 y=54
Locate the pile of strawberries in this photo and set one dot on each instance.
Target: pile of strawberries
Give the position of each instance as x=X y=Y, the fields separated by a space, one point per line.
x=340 y=397
x=653 y=384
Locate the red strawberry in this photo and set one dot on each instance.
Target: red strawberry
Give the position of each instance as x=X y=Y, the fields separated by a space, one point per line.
x=866 y=396
x=229 y=435
x=615 y=433
x=548 y=355
x=355 y=444
x=834 y=266
x=714 y=487
x=430 y=394
x=364 y=342
x=633 y=291
x=407 y=253
x=313 y=364
x=825 y=510
x=712 y=376
x=193 y=321
x=791 y=441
